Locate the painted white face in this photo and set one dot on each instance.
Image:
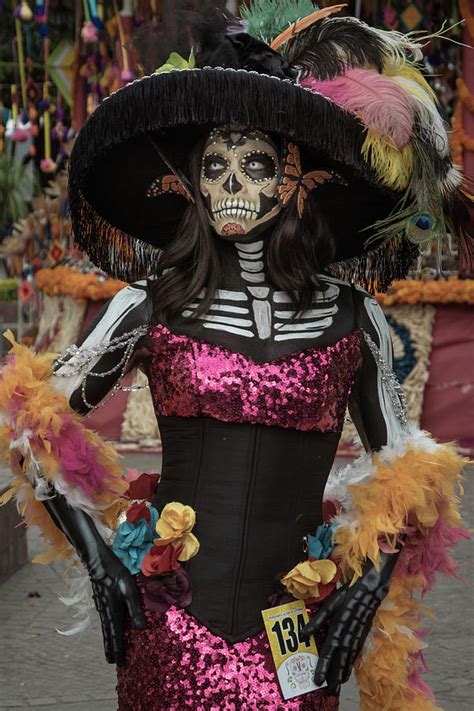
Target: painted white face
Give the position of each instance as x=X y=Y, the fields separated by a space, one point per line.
x=239 y=181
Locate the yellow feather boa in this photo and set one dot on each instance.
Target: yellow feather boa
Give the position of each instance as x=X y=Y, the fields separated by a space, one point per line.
x=408 y=491
x=36 y=423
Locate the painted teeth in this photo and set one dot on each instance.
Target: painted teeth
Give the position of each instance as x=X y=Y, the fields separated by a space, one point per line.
x=236 y=212
x=235 y=207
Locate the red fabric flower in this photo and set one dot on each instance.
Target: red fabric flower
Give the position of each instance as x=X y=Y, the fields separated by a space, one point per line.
x=330 y=509
x=325 y=590
x=144 y=486
x=137 y=512
x=161 y=559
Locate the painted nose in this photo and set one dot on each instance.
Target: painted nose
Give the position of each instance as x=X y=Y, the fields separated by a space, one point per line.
x=232 y=185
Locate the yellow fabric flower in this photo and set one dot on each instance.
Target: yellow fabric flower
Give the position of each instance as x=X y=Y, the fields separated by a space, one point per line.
x=175 y=520
x=190 y=547
x=303 y=580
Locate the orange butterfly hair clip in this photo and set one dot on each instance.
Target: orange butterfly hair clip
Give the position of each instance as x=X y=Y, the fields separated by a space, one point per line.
x=294 y=181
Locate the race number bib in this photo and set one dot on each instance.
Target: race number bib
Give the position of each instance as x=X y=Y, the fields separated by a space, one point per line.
x=295 y=656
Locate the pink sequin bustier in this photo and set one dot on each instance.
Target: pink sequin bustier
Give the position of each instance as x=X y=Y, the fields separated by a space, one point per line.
x=306 y=390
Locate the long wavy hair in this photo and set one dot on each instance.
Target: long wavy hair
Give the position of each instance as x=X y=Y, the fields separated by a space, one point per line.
x=296 y=251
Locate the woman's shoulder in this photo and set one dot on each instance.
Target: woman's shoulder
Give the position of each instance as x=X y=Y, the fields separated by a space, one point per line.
x=135 y=297
x=334 y=285
x=364 y=306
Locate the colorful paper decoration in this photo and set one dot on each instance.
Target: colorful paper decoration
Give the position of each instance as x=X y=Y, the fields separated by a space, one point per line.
x=61 y=67
x=412 y=18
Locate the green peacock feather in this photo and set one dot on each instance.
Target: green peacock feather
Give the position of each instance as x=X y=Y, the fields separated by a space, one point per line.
x=268 y=18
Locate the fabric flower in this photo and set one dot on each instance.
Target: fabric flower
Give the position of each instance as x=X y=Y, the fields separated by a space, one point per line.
x=133 y=540
x=279 y=598
x=144 y=486
x=331 y=509
x=189 y=547
x=159 y=593
x=138 y=511
x=320 y=545
x=159 y=560
x=304 y=579
x=175 y=520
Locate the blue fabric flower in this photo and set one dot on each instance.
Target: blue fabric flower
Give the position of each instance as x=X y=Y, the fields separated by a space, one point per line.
x=133 y=540
x=320 y=545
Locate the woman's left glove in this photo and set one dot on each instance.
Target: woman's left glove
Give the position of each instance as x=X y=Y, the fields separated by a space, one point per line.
x=350 y=612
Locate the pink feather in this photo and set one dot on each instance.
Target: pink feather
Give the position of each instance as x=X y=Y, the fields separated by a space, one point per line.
x=430 y=554
x=381 y=103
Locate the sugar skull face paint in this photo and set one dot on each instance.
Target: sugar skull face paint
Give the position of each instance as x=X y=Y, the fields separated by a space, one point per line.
x=239 y=181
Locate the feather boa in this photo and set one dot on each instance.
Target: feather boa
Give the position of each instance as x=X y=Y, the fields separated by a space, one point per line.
x=409 y=490
x=45 y=443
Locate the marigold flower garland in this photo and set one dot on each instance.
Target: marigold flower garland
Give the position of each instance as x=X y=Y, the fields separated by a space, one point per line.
x=67 y=281
x=413 y=291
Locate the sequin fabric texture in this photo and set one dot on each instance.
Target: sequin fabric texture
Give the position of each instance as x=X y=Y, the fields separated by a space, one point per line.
x=306 y=390
x=176 y=663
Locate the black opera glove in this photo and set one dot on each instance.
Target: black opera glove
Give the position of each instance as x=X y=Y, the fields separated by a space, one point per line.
x=350 y=612
x=113 y=586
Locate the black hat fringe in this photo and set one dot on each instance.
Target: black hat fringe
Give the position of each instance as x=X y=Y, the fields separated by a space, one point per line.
x=375 y=270
x=118 y=254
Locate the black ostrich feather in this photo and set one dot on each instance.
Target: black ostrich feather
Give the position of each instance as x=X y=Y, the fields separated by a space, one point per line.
x=329 y=47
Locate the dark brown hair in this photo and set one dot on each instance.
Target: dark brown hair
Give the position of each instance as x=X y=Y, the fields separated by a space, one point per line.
x=296 y=251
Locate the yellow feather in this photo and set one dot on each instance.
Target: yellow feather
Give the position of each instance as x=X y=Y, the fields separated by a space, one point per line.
x=393 y=167
x=408 y=71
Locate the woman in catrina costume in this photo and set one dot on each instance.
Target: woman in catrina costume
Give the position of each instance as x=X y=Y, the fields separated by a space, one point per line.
x=255 y=186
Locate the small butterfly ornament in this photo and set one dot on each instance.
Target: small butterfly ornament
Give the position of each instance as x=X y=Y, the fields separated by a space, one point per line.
x=294 y=181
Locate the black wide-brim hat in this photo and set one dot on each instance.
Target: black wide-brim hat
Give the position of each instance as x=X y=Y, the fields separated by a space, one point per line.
x=134 y=136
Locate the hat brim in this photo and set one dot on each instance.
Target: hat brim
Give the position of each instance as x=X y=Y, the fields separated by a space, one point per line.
x=113 y=161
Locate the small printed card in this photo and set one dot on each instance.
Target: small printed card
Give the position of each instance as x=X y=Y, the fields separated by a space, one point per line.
x=295 y=656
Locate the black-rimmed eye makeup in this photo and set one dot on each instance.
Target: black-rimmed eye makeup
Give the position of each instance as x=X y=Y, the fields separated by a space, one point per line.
x=258 y=166
x=214 y=166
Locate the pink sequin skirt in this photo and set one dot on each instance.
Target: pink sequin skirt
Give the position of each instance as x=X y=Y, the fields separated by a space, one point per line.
x=176 y=663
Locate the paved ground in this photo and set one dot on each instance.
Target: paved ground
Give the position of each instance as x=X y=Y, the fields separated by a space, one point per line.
x=40 y=669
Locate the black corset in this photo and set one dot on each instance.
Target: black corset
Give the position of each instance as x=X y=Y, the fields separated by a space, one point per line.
x=257 y=491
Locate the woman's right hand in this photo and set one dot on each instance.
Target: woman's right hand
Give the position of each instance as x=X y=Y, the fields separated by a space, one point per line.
x=114 y=588
x=116 y=596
